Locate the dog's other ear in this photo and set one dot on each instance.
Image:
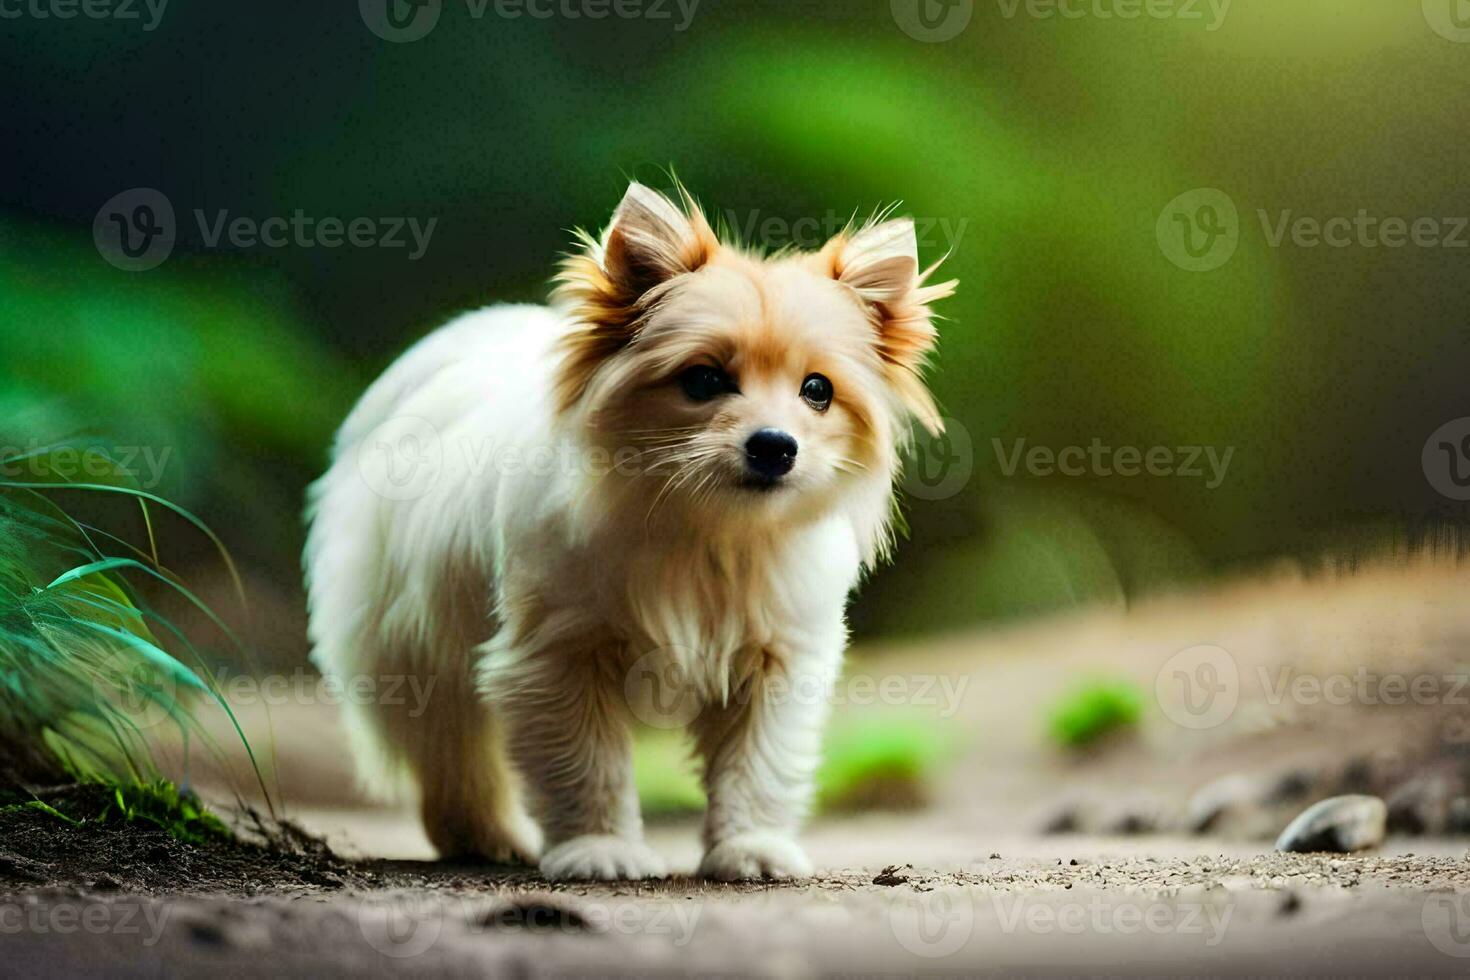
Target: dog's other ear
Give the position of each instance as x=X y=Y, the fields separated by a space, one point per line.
x=881 y=264
x=608 y=285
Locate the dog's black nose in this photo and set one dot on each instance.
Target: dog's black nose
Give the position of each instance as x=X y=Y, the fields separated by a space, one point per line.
x=770 y=454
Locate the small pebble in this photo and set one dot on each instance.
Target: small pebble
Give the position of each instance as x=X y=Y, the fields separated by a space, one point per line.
x=1341 y=825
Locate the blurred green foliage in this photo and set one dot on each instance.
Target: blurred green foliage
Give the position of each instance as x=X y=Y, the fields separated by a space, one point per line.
x=867 y=762
x=1038 y=153
x=1095 y=710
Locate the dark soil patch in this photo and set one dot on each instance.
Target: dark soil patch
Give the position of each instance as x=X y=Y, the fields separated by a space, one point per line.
x=38 y=847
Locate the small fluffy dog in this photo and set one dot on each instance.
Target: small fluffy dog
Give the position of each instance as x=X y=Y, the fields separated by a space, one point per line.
x=648 y=501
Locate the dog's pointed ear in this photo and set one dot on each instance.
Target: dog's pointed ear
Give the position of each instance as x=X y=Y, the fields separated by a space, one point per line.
x=651 y=240
x=609 y=284
x=880 y=262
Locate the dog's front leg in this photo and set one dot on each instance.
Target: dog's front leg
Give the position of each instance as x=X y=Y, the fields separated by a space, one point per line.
x=761 y=752
x=570 y=740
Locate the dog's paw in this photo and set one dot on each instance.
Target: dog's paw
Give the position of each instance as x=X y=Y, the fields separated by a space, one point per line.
x=601 y=858
x=514 y=839
x=748 y=857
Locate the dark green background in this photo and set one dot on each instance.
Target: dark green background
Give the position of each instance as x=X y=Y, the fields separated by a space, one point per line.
x=1048 y=147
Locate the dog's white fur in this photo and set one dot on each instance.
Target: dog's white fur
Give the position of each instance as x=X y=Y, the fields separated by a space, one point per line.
x=538 y=587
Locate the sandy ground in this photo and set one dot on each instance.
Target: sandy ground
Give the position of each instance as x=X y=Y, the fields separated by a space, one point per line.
x=970 y=885
x=1103 y=907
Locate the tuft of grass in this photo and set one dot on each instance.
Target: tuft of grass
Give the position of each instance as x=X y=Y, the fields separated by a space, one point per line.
x=1094 y=711
x=87 y=669
x=869 y=764
x=878 y=764
x=162 y=804
x=159 y=803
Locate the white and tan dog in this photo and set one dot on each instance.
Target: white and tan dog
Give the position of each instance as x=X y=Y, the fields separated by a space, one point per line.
x=683 y=465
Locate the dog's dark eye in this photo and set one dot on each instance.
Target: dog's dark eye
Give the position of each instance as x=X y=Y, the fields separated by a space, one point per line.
x=702 y=382
x=816 y=390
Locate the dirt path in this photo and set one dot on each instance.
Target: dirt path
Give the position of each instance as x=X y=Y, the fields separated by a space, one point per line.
x=1056 y=904
x=970 y=885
